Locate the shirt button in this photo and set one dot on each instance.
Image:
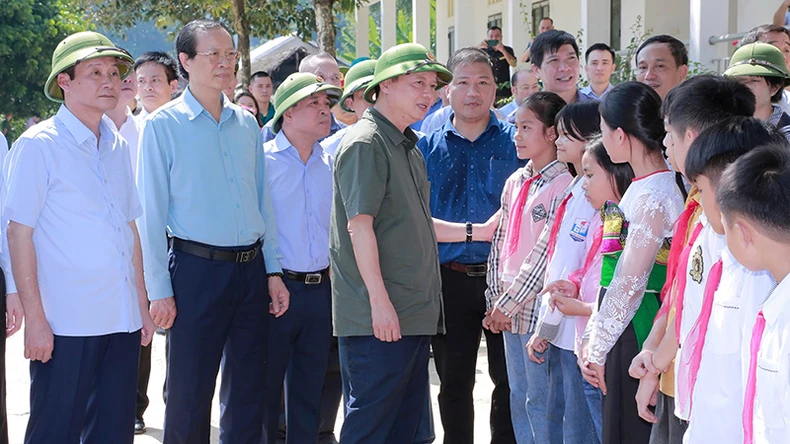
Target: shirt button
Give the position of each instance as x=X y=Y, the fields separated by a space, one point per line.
x=238 y=205
x=105 y=180
x=472 y=166
x=472 y=211
x=232 y=180
x=241 y=232
x=119 y=230
x=112 y=205
x=123 y=254
x=225 y=154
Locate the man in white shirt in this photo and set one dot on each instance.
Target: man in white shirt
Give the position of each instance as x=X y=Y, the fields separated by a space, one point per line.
x=122 y=120
x=71 y=206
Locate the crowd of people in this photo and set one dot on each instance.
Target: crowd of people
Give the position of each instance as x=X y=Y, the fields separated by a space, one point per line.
x=622 y=248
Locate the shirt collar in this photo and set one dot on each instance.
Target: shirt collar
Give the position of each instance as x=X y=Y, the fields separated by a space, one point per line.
x=388 y=129
x=777 y=301
x=776 y=115
x=549 y=172
x=493 y=121
x=281 y=143
x=78 y=130
x=194 y=108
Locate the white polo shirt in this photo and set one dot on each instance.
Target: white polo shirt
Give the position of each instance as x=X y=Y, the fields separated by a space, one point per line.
x=130 y=131
x=79 y=196
x=772 y=395
x=717 y=401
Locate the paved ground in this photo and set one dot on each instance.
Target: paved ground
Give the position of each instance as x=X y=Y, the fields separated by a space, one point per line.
x=18 y=382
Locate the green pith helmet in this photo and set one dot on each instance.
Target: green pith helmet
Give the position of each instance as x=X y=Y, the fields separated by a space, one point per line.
x=406 y=58
x=758 y=59
x=80 y=47
x=296 y=87
x=358 y=77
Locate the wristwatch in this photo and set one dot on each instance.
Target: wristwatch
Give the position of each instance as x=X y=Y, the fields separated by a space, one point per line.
x=468 y=232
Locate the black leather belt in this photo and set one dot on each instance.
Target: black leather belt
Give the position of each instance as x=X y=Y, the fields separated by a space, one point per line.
x=474 y=270
x=307 y=278
x=243 y=255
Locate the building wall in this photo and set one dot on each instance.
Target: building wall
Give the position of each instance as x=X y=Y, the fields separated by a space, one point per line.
x=753 y=13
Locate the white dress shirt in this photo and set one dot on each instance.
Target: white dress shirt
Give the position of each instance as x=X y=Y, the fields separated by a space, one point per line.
x=78 y=194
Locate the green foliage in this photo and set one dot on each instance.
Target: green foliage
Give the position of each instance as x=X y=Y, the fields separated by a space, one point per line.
x=625 y=71
x=29 y=32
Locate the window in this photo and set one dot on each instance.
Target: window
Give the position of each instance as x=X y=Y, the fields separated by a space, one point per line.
x=614 y=29
x=495 y=20
x=451 y=38
x=539 y=11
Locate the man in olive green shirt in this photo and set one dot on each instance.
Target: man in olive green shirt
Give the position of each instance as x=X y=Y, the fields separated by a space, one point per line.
x=385 y=268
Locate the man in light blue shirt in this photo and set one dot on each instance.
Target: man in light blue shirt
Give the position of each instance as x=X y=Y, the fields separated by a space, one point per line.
x=202 y=180
x=524 y=83
x=300 y=180
x=71 y=205
x=599 y=67
x=352 y=100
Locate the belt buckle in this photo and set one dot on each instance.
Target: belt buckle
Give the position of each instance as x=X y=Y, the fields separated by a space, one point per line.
x=313 y=278
x=476 y=270
x=245 y=256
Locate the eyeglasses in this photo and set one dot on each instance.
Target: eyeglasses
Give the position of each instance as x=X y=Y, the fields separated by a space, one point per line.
x=215 y=57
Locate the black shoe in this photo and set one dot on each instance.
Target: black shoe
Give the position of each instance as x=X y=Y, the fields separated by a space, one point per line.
x=139 y=426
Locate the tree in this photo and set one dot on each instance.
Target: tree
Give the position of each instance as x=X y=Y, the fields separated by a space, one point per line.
x=259 y=18
x=325 y=20
x=29 y=32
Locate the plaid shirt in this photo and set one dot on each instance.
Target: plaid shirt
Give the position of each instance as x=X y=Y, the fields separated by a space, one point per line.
x=519 y=300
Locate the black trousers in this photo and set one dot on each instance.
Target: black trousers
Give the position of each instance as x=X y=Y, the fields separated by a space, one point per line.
x=143 y=375
x=455 y=355
x=3 y=417
x=221 y=325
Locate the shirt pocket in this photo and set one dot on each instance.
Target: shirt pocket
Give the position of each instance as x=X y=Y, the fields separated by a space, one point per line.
x=723 y=336
x=498 y=173
x=768 y=402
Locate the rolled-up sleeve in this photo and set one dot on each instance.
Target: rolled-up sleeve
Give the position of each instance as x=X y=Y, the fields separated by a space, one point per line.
x=153 y=187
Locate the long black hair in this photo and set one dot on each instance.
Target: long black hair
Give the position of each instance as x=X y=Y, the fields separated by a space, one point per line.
x=582 y=121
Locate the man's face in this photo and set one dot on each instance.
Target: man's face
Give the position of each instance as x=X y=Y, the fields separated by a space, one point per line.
x=128 y=90
x=152 y=85
x=261 y=88
x=411 y=95
x=781 y=41
x=358 y=103
x=677 y=146
x=527 y=85
x=495 y=34
x=327 y=69
x=472 y=91
x=559 y=71
x=545 y=25
x=656 y=68
x=213 y=71
x=600 y=66
x=310 y=116
x=761 y=89
x=96 y=85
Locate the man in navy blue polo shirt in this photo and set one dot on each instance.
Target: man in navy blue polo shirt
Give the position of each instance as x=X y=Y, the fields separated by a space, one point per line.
x=468 y=161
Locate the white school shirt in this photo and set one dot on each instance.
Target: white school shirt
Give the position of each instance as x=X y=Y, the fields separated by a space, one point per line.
x=718 y=393
x=574 y=239
x=130 y=131
x=772 y=394
x=78 y=194
x=705 y=251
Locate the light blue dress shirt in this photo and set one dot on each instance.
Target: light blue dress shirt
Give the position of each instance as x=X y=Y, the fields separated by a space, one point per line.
x=588 y=91
x=202 y=181
x=78 y=195
x=302 y=200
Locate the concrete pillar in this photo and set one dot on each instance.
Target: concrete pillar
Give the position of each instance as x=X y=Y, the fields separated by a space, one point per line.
x=389 y=20
x=466 y=33
x=713 y=22
x=596 y=22
x=443 y=23
x=517 y=31
x=421 y=22
x=362 y=30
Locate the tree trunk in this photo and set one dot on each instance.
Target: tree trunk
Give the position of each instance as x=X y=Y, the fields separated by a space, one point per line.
x=241 y=23
x=325 y=22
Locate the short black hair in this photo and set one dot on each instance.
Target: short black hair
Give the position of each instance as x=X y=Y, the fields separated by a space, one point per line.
x=495 y=28
x=547 y=18
x=721 y=144
x=704 y=100
x=160 y=58
x=467 y=56
x=186 y=41
x=755 y=188
x=756 y=34
x=550 y=42
x=620 y=174
x=676 y=47
x=599 y=47
x=516 y=74
x=546 y=105
x=257 y=74
x=779 y=82
x=581 y=120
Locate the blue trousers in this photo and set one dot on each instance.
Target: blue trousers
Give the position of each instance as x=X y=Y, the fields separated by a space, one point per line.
x=388 y=384
x=567 y=403
x=86 y=392
x=223 y=316
x=299 y=354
